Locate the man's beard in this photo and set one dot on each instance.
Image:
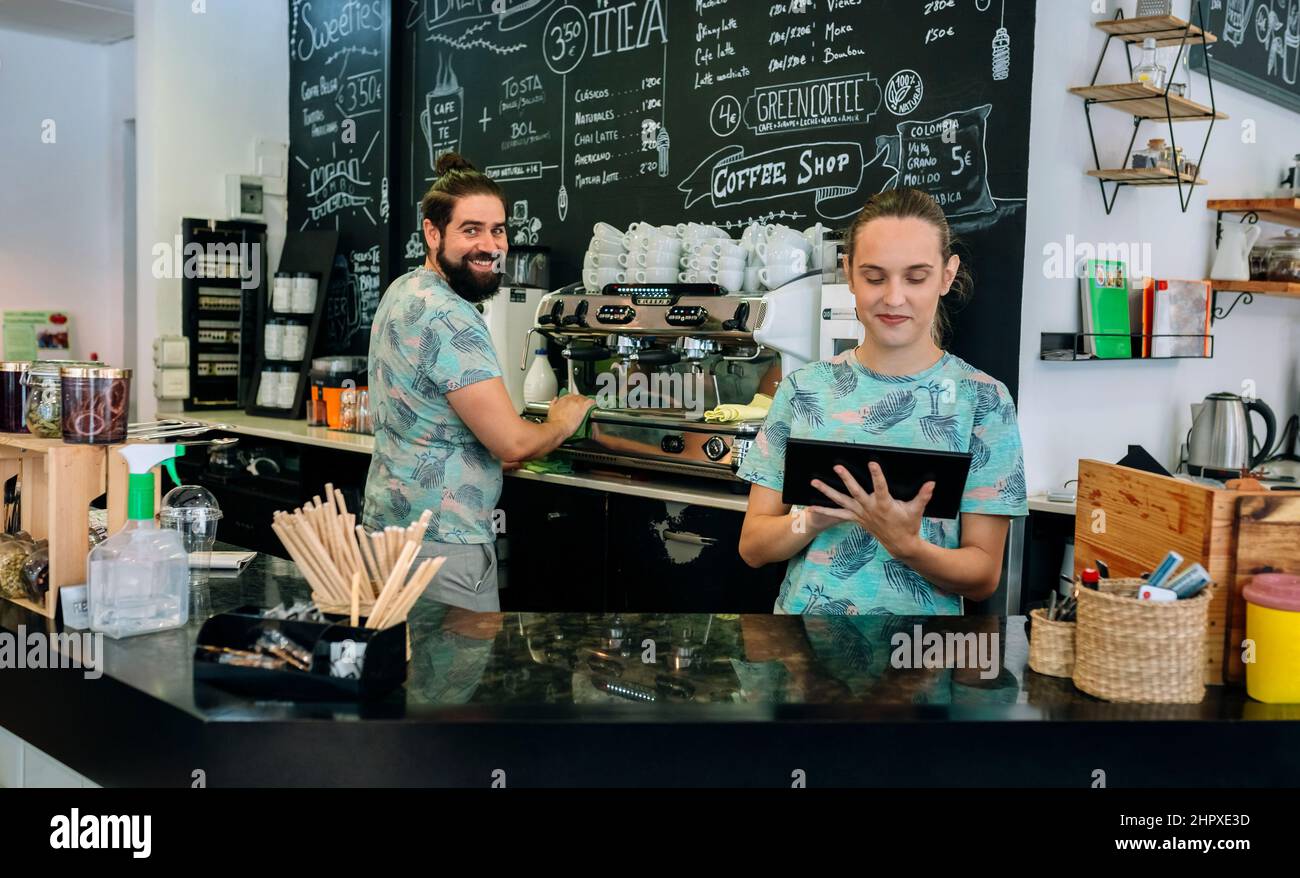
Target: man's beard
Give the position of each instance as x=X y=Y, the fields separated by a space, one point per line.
x=470 y=285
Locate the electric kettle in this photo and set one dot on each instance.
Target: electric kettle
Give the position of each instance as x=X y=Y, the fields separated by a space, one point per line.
x=1221 y=443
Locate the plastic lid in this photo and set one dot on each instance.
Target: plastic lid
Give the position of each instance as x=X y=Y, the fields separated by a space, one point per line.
x=188 y=502
x=1278 y=591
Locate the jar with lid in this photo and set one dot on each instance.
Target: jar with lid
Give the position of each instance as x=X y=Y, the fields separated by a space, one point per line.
x=282 y=292
x=278 y=386
x=96 y=403
x=304 y=293
x=13 y=555
x=13 y=396
x=273 y=338
x=295 y=340
x=1259 y=254
x=44 y=401
x=1151 y=157
x=1284 y=261
x=35 y=575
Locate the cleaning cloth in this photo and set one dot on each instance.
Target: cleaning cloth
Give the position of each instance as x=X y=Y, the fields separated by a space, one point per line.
x=728 y=412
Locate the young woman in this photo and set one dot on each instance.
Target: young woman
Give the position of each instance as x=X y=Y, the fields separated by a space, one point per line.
x=871 y=553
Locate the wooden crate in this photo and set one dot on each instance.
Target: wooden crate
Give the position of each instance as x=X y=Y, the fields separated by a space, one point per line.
x=1268 y=541
x=59 y=481
x=1143 y=516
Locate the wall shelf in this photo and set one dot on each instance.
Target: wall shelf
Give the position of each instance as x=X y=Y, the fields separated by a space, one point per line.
x=1168 y=30
x=1146 y=177
x=1146 y=103
x=1068 y=347
x=1262 y=287
x=1285 y=211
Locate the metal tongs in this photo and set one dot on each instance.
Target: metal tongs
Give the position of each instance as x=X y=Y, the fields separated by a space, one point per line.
x=170 y=428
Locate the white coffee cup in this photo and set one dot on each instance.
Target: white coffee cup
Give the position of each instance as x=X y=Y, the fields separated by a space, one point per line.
x=597 y=278
x=752 y=235
x=601 y=260
x=727 y=249
x=773 y=276
x=648 y=260
x=778 y=234
x=601 y=246
x=731 y=279
x=671 y=248
x=690 y=276
x=782 y=257
x=606 y=232
x=655 y=275
x=753 y=283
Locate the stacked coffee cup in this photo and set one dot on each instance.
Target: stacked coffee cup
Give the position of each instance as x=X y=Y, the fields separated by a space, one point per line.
x=779 y=254
x=710 y=256
x=601 y=264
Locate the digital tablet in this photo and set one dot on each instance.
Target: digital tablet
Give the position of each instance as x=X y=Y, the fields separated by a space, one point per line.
x=905 y=471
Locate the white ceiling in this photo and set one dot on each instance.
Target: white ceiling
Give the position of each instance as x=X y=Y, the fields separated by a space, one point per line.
x=87 y=21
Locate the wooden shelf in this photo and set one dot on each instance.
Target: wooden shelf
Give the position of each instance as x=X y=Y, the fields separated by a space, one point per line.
x=1167 y=29
x=1285 y=211
x=1146 y=177
x=1145 y=102
x=1263 y=287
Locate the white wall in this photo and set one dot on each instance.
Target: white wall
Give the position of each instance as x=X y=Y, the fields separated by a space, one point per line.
x=210 y=85
x=60 y=202
x=1095 y=409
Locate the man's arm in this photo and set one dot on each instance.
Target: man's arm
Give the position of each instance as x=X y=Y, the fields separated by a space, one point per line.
x=486 y=409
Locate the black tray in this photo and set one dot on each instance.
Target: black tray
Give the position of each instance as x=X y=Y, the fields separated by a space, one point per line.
x=384 y=668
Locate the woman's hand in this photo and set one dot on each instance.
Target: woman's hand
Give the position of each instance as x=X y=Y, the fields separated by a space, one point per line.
x=897 y=525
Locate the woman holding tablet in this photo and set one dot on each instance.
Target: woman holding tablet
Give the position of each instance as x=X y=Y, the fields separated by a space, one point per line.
x=872 y=553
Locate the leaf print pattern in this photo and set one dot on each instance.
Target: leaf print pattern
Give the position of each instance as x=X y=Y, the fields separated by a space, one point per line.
x=805 y=405
x=987 y=398
x=980 y=454
x=941 y=429
x=426 y=339
x=817 y=603
x=844 y=379
x=776 y=435
x=895 y=408
x=850 y=643
x=1012 y=488
x=853 y=553
x=907 y=581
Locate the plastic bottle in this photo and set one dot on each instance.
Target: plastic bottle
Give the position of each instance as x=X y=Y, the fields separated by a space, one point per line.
x=539 y=383
x=139 y=577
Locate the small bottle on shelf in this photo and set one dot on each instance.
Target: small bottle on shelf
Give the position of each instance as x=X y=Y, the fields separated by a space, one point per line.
x=1150 y=71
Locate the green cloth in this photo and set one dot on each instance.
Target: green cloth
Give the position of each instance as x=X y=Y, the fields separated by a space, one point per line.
x=548 y=466
x=584 y=429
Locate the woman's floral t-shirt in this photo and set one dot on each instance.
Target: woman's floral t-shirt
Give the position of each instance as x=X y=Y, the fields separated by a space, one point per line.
x=951 y=406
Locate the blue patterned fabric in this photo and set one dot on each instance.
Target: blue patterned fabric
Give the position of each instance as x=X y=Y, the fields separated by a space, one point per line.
x=427 y=341
x=951 y=406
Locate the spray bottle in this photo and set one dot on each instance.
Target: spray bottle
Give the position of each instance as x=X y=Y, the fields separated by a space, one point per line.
x=139 y=577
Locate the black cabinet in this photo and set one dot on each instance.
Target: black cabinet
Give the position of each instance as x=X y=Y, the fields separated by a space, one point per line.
x=674 y=557
x=552 y=549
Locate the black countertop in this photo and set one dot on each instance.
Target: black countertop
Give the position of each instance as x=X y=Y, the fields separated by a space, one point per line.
x=559 y=699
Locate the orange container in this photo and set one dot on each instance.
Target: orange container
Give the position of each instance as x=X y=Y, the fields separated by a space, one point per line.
x=330 y=376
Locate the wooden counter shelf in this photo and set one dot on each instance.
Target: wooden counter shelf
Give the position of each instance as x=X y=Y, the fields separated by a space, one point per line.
x=1145 y=102
x=1168 y=30
x=1284 y=211
x=59 y=482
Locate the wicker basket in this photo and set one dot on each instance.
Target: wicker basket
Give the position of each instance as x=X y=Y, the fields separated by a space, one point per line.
x=1051 y=645
x=1140 y=651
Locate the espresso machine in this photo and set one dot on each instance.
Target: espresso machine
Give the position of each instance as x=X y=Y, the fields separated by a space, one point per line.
x=656 y=357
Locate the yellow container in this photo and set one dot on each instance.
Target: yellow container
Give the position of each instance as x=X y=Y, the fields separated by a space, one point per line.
x=1273 y=624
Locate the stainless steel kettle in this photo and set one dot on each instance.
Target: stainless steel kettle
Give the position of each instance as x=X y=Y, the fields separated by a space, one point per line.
x=1221 y=443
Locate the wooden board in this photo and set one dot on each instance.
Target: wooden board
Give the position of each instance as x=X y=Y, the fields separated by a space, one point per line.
x=1148 y=102
x=1284 y=211
x=1146 y=177
x=1168 y=30
x=1146 y=515
x=1263 y=287
x=1268 y=541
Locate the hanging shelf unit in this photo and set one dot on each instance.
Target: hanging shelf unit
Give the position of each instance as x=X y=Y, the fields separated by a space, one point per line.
x=1283 y=211
x=1147 y=103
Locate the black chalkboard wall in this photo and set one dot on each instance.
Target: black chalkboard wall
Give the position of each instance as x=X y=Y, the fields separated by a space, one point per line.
x=339 y=175
x=726 y=112
x=1258 y=48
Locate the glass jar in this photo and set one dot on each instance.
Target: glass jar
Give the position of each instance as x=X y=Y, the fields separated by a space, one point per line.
x=44 y=401
x=273 y=339
x=1259 y=254
x=13 y=555
x=1284 y=261
x=35 y=575
x=96 y=403
x=1152 y=156
x=278 y=386
x=282 y=292
x=295 y=340
x=13 y=396
x=304 y=293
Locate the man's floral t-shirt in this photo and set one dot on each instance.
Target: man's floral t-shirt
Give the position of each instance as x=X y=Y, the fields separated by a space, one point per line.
x=951 y=406
x=426 y=342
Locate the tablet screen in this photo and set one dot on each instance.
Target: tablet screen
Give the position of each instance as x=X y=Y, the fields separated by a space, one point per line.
x=905 y=471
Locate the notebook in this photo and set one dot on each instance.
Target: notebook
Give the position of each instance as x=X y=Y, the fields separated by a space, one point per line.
x=1103 y=299
x=1180 y=308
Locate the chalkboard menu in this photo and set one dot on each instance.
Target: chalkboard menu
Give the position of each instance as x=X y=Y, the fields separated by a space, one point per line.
x=1258 y=48
x=728 y=112
x=339 y=78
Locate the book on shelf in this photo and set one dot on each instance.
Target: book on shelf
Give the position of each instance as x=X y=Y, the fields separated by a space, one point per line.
x=1104 y=302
